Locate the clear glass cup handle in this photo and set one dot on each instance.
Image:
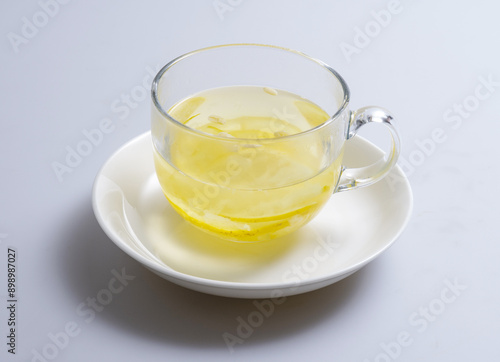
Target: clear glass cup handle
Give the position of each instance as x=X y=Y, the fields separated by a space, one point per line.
x=352 y=178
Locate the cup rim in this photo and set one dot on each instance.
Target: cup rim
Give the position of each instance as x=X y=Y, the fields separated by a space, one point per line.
x=163 y=70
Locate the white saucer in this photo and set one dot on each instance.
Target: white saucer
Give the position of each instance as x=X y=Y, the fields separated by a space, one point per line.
x=354 y=228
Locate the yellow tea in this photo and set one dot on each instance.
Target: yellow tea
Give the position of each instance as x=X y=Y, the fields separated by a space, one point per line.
x=243 y=176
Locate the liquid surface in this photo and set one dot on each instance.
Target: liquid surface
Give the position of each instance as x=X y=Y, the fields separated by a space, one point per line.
x=249 y=183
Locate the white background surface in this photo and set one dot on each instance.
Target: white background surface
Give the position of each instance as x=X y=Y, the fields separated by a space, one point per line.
x=65 y=79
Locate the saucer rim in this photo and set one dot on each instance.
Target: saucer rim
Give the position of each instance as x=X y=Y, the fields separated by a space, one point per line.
x=160 y=267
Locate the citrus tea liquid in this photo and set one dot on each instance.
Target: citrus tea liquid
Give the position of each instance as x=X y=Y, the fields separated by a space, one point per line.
x=250 y=182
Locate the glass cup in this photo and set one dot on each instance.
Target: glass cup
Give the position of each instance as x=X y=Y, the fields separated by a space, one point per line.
x=255 y=189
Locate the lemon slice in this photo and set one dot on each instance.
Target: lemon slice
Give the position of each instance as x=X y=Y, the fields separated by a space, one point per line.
x=281 y=217
x=183 y=111
x=234 y=230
